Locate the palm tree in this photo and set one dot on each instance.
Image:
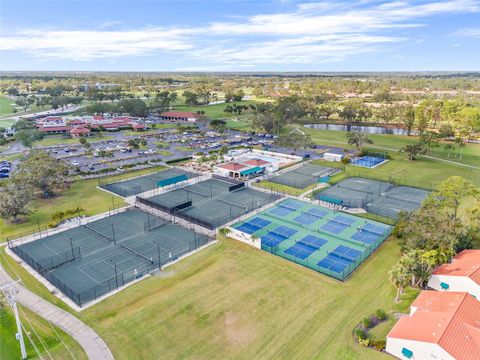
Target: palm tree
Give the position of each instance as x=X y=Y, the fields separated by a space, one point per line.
x=399 y=279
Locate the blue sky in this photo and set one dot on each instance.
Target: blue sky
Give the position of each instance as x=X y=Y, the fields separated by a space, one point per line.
x=240 y=35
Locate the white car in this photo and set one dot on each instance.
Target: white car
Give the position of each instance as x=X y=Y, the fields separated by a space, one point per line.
x=120 y=169
x=75 y=163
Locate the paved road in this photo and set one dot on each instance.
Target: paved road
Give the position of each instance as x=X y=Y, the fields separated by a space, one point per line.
x=94 y=346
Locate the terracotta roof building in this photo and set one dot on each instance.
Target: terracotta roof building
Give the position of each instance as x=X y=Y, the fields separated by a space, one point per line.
x=462 y=274
x=441 y=325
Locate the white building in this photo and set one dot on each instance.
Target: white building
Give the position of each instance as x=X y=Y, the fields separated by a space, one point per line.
x=441 y=326
x=462 y=274
x=333 y=157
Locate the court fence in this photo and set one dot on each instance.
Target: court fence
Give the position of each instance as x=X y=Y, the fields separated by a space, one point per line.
x=311 y=263
x=46 y=266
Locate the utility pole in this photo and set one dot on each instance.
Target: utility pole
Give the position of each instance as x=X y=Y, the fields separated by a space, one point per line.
x=9 y=291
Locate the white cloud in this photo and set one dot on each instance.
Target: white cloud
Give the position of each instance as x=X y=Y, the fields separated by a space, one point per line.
x=312 y=33
x=471 y=32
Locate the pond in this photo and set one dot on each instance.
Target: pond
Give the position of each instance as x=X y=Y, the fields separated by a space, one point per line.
x=371 y=129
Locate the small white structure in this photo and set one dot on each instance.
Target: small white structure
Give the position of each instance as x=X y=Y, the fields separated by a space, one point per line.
x=333 y=157
x=462 y=274
x=441 y=325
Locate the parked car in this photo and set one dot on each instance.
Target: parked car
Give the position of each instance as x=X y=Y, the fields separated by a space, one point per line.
x=75 y=163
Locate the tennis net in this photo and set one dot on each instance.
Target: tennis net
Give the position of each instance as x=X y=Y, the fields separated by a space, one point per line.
x=377 y=233
x=355 y=189
x=401 y=199
x=319 y=216
x=196 y=192
x=233 y=204
x=98 y=233
x=339 y=222
x=136 y=253
x=291 y=208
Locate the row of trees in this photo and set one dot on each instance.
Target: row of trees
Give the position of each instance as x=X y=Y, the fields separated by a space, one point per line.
x=37 y=175
x=436 y=232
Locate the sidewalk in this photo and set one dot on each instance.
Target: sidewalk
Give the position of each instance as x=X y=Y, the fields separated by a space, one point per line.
x=89 y=340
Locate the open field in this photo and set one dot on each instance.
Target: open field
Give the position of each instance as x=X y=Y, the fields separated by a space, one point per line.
x=422 y=171
x=6 y=105
x=232 y=299
x=83 y=193
x=236 y=300
x=50 y=140
x=50 y=335
x=213 y=111
x=471 y=152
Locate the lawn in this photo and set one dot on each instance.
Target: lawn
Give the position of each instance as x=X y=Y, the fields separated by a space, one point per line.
x=82 y=193
x=6 y=105
x=38 y=328
x=50 y=140
x=233 y=301
x=213 y=111
x=471 y=152
x=422 y=172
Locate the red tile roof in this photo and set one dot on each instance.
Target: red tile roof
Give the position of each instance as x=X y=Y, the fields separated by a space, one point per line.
x=466 y=263
x=449 y=319
x=257 y=162
x=180 y=114
x=52 y=128
x=234 y=166
x=79 y=130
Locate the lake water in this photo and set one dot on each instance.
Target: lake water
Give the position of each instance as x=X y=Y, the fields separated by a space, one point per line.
x=363 y=128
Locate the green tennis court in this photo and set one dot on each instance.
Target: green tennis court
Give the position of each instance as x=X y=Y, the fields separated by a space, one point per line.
x=333 y=243
x=210 y=203
x=89 y=261
x=377 y=197
x=148 y=182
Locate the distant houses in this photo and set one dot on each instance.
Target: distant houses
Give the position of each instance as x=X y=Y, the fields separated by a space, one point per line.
x=85 y=125
x=441 y=325
x=462 y=274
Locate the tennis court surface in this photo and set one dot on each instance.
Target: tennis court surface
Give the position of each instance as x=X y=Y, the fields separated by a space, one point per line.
x=303 y=176
x=376 y=197
x=368 y=161
x=148 y=182
x=210 y=203
x=91 y=260
x=329 y=242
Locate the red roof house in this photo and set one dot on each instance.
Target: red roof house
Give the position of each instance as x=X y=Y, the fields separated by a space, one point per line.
x=441 y=325
x=462 y=274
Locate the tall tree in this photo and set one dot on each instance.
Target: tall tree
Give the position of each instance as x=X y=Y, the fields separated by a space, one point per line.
x=358 y=138
x=14 y=198
x=43 y=172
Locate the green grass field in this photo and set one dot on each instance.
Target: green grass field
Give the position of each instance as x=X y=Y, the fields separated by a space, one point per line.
x=59 y=344
x=6 y=106
x=233 y=301
x=471 y=152
x=213 y=111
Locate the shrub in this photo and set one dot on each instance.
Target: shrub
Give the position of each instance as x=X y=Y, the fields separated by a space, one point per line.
x=379 y=345
x=380 y=314
x=53 y=224
x=359 y=333
x=367 y=322
x=346 y=160
x=364 y=342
